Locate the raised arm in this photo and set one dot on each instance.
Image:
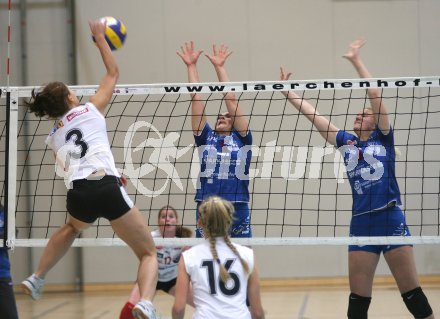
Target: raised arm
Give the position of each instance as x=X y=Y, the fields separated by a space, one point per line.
x=108 y=82
x=218 y=59
x=190 y=57
x=327 y=130
x=380 y=111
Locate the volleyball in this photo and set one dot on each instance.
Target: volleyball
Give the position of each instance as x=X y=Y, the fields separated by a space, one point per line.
x=115 y=32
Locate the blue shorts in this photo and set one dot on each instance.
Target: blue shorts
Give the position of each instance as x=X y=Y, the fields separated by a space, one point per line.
x=241 y=227
x=387 y=222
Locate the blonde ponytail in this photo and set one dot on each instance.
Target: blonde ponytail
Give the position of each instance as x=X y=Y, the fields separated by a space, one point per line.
x=215 y=214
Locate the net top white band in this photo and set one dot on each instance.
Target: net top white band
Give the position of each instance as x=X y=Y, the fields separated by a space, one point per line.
x=255 y=241
x=252 y=86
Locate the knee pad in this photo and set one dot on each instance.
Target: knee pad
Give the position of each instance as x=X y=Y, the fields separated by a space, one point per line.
x=358 y=306
x=417 y=303
x=126 y=311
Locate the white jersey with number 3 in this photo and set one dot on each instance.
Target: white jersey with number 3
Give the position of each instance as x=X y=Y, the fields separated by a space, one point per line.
x=213 y=298
x=80 y=142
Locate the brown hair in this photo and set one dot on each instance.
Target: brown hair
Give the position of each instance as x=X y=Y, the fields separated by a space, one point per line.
x=51 y=101
x=216 y=217
x=181 y=231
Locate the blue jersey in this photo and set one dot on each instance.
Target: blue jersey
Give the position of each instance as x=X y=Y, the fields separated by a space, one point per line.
x=225 y=162
x=4 y=259
x=370 y=169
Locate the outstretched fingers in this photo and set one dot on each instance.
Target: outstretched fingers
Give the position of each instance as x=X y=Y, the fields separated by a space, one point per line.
x=188 y=54
x=353 y=51
x=283 y=75
x=224 y=51
x=186 y=48
x=358 y=43
x=219 y=55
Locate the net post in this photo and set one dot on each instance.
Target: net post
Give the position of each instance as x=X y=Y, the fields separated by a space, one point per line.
x=11 y=164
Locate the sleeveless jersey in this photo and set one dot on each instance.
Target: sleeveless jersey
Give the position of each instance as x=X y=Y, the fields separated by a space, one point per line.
x=80 y=142
x=225 y=162
x=168 y=259
x=213 y=298
x=371 y=170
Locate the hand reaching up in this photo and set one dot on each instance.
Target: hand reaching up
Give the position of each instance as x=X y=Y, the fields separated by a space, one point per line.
x=218 y=57
x=353 y=52
x=188 y=54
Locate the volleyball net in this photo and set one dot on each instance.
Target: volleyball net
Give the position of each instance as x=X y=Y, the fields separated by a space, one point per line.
x=298 y=190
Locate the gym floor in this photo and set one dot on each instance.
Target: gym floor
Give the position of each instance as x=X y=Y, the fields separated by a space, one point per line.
x=309 y=301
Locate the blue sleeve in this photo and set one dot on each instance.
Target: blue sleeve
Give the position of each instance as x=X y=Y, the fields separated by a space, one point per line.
x=387 y=139
x=2 y=223
x=342 y=138
x=202 y=138
x=4 y=258
x=247 y=139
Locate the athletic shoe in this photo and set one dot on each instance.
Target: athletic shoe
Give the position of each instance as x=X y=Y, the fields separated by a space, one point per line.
x=32 y=286
x=144 y=309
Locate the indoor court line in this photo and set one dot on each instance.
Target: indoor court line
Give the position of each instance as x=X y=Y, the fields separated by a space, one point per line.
x=303 y=307
x=51 y=310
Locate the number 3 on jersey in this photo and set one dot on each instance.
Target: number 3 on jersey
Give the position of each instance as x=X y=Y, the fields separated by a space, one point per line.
x=232 y=289
x=76 y=136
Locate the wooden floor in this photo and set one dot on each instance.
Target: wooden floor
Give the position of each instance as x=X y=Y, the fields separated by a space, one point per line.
x=317 y=302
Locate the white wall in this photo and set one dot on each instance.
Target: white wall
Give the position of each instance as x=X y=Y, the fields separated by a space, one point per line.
x=307 y=37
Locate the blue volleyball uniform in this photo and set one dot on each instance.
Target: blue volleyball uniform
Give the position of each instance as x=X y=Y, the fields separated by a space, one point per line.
x=4 y=259
x=376 y=195
x=386 y=222
x=224 y=172
x=8 y=306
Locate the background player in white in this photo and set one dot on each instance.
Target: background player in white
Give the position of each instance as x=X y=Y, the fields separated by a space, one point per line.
x=222 y=274
x=96 y=188
x=167 y=257
x=376 y=202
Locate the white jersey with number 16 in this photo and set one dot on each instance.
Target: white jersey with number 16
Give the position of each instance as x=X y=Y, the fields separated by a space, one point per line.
x=212 y=297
